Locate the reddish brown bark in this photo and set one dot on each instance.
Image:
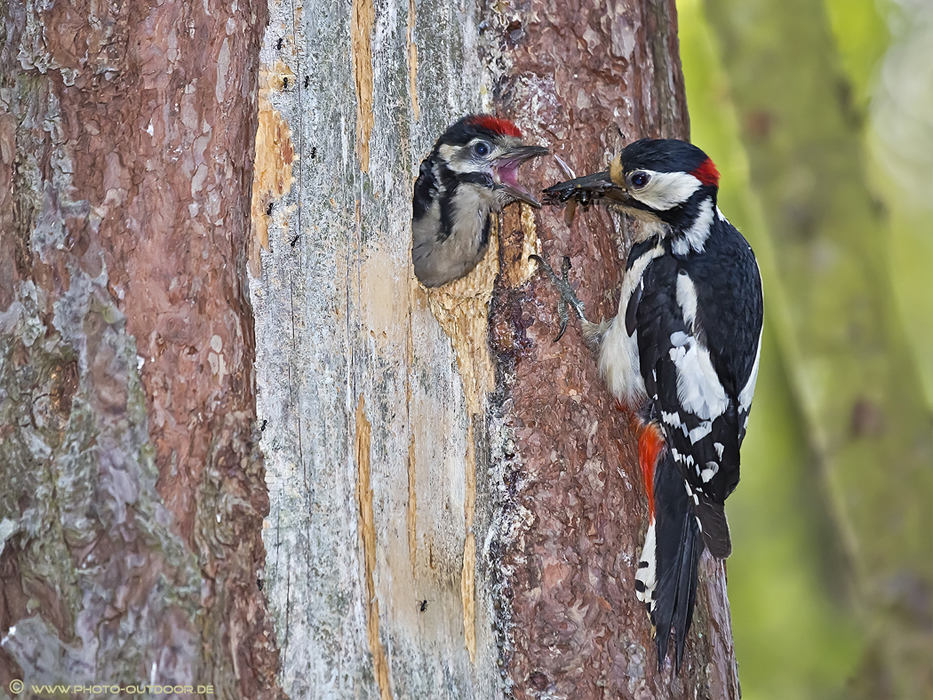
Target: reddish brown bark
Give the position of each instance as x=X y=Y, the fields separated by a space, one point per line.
x=141 y=122
x=576 y=77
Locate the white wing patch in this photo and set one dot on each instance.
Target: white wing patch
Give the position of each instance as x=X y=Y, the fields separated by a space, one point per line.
x=701 y=431
x=682 y=458
x=691 y=494
x=698 y=387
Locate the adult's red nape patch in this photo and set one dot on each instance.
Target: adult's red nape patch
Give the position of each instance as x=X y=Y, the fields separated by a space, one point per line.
x=499 y=126
x=707 y=173
x=650 y=444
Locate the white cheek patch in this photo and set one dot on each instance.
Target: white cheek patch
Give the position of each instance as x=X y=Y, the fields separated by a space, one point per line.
x=460 y=159
x=666 y=190
x=698 y=387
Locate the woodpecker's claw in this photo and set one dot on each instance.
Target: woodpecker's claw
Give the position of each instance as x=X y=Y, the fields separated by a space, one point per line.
x=567 y=296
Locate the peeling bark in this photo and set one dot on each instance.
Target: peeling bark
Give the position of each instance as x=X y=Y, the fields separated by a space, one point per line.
x=133 y=488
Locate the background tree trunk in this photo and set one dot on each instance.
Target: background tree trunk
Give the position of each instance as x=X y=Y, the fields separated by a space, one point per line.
x=828 y=238
x=456 y=507
x=133 y=490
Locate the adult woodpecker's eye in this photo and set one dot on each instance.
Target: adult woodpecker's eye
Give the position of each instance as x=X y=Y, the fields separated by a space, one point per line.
x=639 y=179
x=481 y=149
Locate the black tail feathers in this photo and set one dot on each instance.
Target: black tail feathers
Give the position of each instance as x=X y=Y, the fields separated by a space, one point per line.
x=712 y=517
x=678 y=549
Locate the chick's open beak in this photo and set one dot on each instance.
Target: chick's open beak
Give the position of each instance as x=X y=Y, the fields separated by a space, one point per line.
x=505 y=172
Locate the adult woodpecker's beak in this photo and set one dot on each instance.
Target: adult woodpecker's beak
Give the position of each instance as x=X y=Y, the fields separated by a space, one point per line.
x=587 y=189
x=505 y=172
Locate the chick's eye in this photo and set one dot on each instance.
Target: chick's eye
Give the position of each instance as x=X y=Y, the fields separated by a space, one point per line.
x=481 y=148
x=640 y=179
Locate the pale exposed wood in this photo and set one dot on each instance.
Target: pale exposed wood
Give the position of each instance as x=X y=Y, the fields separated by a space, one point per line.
x=506 y=511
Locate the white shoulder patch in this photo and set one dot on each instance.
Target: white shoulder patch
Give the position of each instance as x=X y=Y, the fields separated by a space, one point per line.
x=698 y=387
x=687 y=299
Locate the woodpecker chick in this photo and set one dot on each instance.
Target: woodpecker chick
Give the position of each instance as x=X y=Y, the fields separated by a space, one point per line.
x=470 y=173
x=682 y=353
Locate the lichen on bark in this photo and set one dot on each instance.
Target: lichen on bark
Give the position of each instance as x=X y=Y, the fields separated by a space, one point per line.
x=131 y=523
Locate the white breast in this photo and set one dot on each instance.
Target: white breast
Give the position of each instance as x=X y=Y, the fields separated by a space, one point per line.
x=618 y=352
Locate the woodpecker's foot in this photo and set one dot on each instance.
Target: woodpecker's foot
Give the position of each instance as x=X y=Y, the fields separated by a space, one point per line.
x=567 y=296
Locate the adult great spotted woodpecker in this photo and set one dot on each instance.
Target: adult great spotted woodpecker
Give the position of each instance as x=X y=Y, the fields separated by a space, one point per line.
x=682 y=353
x=470 y=173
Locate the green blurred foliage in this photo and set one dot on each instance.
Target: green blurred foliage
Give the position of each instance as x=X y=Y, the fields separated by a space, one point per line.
x=892 y=77
x=862 y=37
x=831 y=573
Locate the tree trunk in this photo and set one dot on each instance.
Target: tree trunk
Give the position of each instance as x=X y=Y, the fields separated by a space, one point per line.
x=134 y=492
x=456 y=506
